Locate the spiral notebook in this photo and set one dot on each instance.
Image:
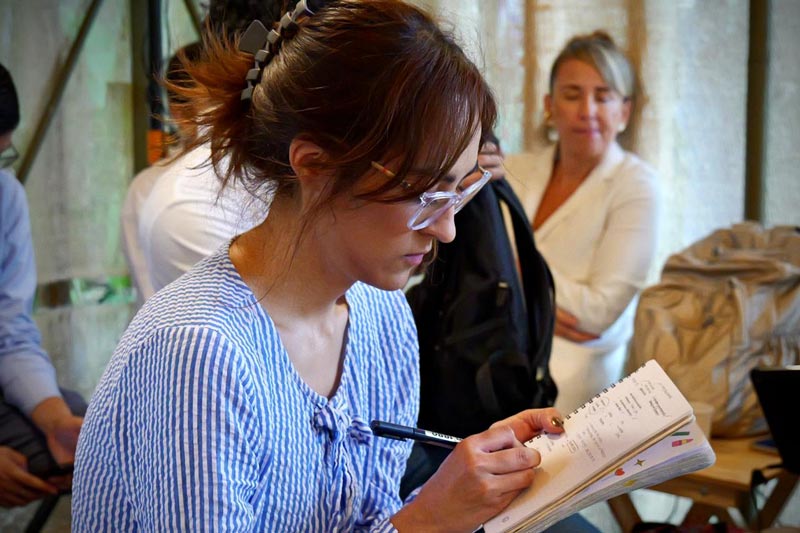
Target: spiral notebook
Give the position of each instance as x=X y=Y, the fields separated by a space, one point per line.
x=637 y=432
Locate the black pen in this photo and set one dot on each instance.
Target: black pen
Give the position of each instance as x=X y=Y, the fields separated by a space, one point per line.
x=396 y=431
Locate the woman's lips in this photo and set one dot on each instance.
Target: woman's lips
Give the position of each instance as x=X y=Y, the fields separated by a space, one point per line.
x=414 y=259
x=587 y=131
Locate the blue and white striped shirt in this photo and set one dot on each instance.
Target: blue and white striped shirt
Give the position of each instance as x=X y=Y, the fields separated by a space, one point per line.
x=201 y=422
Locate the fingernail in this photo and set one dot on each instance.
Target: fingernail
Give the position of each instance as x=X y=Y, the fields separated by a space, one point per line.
x=557 y=422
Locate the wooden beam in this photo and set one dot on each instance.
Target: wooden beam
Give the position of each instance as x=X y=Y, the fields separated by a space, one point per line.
x=58 y=86
x=757 y=74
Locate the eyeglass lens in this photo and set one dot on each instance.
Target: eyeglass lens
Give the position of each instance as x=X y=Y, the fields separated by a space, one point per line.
x=434 y=208
x=471 y=191
x=432 y=211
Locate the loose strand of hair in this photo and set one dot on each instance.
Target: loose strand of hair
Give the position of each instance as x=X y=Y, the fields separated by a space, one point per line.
x=211 y=103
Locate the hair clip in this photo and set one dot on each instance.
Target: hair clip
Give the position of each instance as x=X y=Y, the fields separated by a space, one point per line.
x=288 y=22
x=253 y=38
x=264 y=44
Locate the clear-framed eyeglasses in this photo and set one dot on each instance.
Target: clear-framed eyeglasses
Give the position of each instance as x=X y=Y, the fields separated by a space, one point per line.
x=8 y=156
x=433 y=205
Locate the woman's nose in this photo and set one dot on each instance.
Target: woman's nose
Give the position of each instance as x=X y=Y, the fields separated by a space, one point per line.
x=443 y=228
x=588 y=106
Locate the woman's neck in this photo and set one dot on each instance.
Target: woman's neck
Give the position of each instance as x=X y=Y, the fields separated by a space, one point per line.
x=304 y=300
x=570 y=169
x=284 y=269
x=575 y=165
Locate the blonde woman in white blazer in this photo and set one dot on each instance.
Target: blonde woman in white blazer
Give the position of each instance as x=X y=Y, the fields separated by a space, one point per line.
x=594 y=209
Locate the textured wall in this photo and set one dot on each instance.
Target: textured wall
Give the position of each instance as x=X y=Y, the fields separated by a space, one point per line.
x=76 y=185
x=178 y=28
x=782 y=166
x=693 y=127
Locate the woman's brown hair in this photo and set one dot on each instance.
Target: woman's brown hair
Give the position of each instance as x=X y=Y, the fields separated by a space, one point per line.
x=366 y=80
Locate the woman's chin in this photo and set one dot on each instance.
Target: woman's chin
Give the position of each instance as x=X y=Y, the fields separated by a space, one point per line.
x=392 y=282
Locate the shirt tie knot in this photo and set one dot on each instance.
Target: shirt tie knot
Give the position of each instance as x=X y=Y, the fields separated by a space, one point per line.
x=338 y=423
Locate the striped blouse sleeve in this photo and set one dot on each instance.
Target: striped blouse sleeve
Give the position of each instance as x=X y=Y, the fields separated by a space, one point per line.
x=188 y=434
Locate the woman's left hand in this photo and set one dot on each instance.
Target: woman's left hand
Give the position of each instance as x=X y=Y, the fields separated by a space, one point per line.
x=567 y=327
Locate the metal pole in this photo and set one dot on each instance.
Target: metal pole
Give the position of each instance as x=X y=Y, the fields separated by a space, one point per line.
x=156 y=137
x=155 y=55
x=531 y=98
x=58 y=91
x=757 y=72
x=138 y=30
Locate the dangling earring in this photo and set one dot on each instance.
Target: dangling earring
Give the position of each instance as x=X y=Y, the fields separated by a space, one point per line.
x=621 y=127
x=550 y=130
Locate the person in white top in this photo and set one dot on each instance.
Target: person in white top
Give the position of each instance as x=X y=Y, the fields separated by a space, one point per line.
x=594 y=209
x=143 y=183
x=137 y=194
x=186 y=217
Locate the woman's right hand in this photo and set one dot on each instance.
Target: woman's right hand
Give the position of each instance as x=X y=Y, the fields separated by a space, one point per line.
x=478 y=479
x=491 y=158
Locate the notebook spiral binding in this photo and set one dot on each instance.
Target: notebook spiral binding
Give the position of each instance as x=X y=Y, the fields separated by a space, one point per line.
x=605 y=390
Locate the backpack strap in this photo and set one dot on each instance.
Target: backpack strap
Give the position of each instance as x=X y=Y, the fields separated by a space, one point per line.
x=537 y=281
x=539 y=295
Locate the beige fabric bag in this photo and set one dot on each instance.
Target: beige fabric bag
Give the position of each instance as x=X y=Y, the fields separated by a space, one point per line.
x=725 y=305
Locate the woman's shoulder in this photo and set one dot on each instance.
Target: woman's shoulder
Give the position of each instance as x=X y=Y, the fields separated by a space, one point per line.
x=210 y=294
x=633 y=177
x=530 y=164
x=635 y=168
x=383 y=332
x=385 y=311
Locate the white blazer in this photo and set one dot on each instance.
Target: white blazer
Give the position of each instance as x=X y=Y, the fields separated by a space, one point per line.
x=600 y=245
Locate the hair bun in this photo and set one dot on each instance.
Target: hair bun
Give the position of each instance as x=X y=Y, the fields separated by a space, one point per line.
x=602 y=36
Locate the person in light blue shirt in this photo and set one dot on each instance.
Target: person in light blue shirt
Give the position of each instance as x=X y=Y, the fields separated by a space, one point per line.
x=241 y=395
x=38 y=430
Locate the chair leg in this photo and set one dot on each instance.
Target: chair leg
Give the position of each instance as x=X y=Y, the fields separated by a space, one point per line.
x=42 y=514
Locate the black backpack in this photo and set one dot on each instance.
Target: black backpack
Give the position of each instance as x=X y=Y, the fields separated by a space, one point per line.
x=484 y=341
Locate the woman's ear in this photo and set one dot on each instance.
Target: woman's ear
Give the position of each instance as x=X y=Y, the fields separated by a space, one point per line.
x=548 y=108
x=626 y=111
x=305 y=157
